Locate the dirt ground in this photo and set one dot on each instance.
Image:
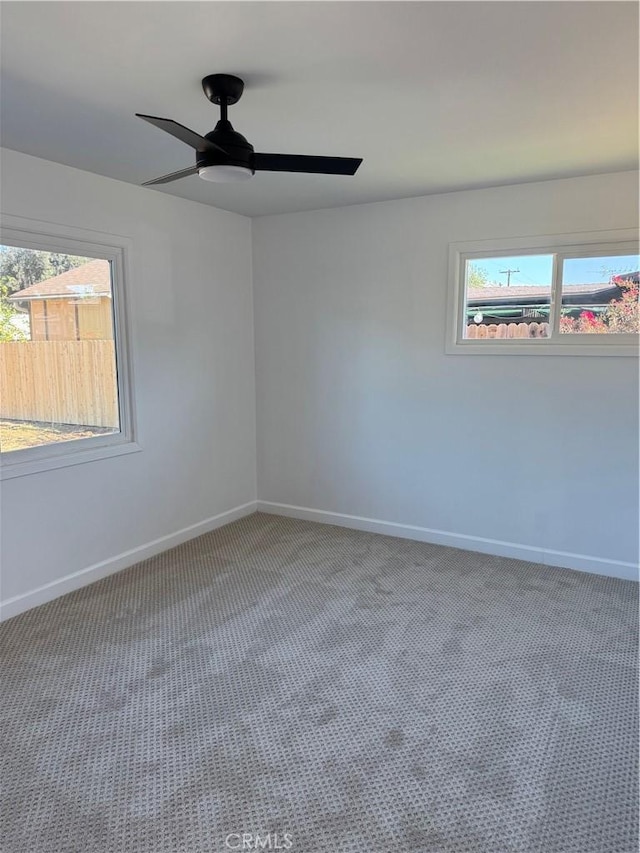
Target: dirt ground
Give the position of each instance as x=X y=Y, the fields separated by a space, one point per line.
x=17 y=435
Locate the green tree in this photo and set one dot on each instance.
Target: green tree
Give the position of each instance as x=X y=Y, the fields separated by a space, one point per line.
x=20 y=267
x=477 y=276
x=62 y=263
x=8 y=329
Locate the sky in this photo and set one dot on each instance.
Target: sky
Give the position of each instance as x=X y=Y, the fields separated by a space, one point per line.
x=536 y=269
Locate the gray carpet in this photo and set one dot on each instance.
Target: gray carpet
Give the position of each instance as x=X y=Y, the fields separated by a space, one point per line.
x=340 y=690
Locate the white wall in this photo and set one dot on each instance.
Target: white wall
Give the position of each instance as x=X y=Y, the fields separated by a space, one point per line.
x=194 y=383
x=360 y=412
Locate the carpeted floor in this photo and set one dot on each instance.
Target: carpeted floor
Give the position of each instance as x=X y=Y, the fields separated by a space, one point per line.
x=343 y=691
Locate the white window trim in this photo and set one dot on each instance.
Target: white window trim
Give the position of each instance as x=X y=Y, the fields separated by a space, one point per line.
x=34 y=234
x=614 y=241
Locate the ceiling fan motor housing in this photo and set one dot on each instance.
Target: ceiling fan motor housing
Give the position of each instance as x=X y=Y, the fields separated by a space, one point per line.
x=240 y=152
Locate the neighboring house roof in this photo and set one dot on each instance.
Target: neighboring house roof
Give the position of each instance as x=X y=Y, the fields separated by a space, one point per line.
x=91 y=279
x=535 y=293
x=633 y=277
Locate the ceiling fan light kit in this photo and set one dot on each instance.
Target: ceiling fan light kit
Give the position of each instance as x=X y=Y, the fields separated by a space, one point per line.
x=225 y=156
x=224 y=174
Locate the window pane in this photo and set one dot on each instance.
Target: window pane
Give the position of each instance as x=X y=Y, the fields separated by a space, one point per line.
x=58 y=379
x=600 y=295
x=508 y=297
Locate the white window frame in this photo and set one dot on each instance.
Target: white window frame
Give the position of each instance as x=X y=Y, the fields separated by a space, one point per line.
x=562 y=246
x=49 y=237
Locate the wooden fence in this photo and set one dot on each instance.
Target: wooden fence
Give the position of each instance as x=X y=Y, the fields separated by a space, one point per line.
x=508 y=330
x=63 y=382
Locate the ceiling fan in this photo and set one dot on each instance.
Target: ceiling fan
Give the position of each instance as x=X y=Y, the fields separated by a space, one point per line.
x=223 y=155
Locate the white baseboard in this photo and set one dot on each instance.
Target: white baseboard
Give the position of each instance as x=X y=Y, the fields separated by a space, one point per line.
x=561 y=559
x=548 y=557
x=68 y=583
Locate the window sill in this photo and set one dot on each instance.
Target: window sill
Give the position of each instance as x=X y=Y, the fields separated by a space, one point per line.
x=542 y=347
x=65 y=457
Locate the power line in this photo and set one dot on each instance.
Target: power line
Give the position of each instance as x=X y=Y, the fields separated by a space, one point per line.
x=528 y=279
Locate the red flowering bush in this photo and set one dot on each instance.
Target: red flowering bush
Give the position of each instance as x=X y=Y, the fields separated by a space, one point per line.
x=621 y=315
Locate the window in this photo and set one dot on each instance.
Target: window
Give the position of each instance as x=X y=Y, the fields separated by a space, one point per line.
x=573 y=294
x=64 y=367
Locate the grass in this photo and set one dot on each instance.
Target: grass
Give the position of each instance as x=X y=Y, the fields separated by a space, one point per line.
x=18 y=435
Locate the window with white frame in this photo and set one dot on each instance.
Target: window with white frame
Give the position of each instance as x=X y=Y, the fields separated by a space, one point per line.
x=574 y=294
x=65 y=382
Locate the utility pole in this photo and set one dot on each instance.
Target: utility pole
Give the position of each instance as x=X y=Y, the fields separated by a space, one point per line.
x=508 y=275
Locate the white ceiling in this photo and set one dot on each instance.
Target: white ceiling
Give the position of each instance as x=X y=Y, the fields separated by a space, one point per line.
x=436 y=96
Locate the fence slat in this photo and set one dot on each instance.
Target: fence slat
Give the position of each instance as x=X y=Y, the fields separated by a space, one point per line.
x=508 y=330
x=64 y=382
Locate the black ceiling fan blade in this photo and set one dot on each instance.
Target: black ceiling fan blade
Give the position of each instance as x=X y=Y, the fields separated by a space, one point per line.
x=304 y=163
x=174 y=176
x=190 y=137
